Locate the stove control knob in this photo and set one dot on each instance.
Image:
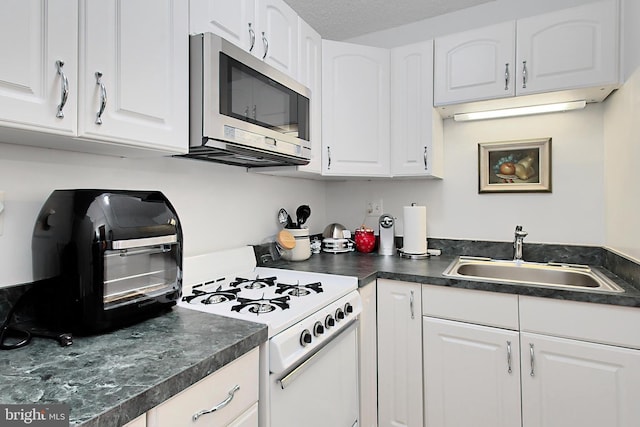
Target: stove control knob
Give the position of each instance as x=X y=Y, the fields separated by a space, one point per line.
x=339 y=314
x=348 y=308
x=305 y=338
x=329 y=322
x=318 y=329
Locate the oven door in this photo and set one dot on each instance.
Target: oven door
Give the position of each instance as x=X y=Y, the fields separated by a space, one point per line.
x=322 y=390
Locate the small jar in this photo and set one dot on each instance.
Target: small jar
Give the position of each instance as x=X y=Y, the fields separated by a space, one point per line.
x=302 y=248
x=365 y=240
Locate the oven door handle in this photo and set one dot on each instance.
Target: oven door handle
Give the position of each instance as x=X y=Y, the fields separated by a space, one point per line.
x=305 y=364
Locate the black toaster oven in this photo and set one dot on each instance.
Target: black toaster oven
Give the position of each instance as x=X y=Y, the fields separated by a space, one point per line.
x=105 y=258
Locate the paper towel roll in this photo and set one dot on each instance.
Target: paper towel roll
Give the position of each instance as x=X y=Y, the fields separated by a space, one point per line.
x=415 y=230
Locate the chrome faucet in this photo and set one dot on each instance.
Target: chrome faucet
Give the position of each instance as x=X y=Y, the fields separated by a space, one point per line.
x=518 y=243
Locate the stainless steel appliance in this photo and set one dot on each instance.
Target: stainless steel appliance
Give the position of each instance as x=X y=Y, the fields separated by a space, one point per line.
x=387 y=245
x=105 y=258
x=243 y=111
x=309 y=366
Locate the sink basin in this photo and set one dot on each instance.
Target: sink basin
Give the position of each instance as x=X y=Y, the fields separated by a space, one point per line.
x=551 y=275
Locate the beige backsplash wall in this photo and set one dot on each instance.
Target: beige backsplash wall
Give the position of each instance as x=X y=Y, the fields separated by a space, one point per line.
x=573 y=213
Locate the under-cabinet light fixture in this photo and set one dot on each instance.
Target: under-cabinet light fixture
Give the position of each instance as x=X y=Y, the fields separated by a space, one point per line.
x=520 y=111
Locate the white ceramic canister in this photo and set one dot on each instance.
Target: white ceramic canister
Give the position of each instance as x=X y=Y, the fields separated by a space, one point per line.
x=302 y=249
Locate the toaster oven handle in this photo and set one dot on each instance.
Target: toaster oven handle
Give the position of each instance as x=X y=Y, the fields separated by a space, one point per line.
x=148 y=241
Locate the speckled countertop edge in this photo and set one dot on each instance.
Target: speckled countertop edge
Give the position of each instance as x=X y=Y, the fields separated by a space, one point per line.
x=368 y=267
x=110 y=379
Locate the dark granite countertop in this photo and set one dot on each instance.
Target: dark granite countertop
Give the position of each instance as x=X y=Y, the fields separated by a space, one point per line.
x=368 y=267
x=112 y=378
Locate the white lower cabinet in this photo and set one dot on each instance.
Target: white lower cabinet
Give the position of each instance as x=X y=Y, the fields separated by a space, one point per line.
x=399 y=354
x=566 y=364
x=368 y=372
x=471 y=375
x=568 y=383
x=232 y=389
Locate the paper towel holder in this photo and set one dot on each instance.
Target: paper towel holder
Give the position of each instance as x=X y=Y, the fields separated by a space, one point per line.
x=407 y=255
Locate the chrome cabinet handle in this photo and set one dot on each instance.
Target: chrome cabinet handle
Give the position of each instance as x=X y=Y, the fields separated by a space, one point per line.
x=328 y=157
x=252 y=37
x=509 y=357
x=255 y=112
x=219 y=405
x=64 y=95
x=507 y=76
x=411 y=305
x=524 y=74
x=103 y=98
x=266 y=45
x=532 y=373
x=425 y=158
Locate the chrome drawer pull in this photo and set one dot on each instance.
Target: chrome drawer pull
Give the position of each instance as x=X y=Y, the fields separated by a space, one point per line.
x=219 y=405
x=509 y=356
x=532 y=373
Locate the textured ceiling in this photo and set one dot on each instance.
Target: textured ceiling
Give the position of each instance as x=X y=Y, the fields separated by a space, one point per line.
x=344 y=19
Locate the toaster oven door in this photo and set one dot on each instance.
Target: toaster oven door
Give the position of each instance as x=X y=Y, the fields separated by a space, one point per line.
x=140 y=269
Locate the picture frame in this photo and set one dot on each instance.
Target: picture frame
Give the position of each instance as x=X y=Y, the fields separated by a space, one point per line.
x=522 y=166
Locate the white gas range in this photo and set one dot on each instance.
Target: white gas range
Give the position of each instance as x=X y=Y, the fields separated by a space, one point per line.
x=308 y=367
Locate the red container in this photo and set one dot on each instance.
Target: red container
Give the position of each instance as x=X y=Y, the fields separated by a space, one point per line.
x=365 y=240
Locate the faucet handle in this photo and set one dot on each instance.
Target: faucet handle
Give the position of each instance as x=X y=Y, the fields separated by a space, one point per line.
x=519 y=232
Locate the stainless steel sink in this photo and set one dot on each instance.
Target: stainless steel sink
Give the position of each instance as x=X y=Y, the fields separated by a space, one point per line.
x=551 y=275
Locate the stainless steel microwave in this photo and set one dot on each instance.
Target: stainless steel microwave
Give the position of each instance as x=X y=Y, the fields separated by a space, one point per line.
x=243 y=111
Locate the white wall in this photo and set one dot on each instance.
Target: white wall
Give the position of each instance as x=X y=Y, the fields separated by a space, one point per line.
x=622 y=147
x=219 y=206
x=573 y=213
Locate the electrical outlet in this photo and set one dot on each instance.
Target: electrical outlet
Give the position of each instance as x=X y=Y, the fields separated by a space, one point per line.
x=1 y=212
x=374 y=208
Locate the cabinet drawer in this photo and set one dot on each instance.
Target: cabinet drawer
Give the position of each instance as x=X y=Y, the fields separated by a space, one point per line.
x=480 y=307
x=209 y=392
x=601 y=323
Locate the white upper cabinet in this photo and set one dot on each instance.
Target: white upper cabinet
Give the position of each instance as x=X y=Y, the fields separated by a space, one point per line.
x=266 y=28
x=476 y=64
x=310 y=75
x=233 y=20
x=416 y=128
x=568 y=49
x=121 y=63
x=277 y=25
x=139 y=48
x=36 y=35
x=558 y=51
x=355 y=110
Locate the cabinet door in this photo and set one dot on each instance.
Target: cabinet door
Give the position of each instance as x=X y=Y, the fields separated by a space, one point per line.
x=234 y=20
x=141 y=49
x=368 y=360
x=355 y=110
x=416 y=128
x=277 y=35
x=35 y=35
x=574 y=383
x=475 y=65
x=310 y=75
x=249 y=418
x=471 y=375
x=399 y=354
x=568 y=49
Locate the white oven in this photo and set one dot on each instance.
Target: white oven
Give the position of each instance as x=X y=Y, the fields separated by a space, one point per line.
x=309 y=365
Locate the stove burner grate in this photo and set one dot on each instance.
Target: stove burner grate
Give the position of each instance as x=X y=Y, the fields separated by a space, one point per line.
x=257 y=283
x=215 y=297
x=298 y=290
x=261 y=305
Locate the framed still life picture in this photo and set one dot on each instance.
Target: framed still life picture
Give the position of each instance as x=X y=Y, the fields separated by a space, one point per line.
x=514 y=166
